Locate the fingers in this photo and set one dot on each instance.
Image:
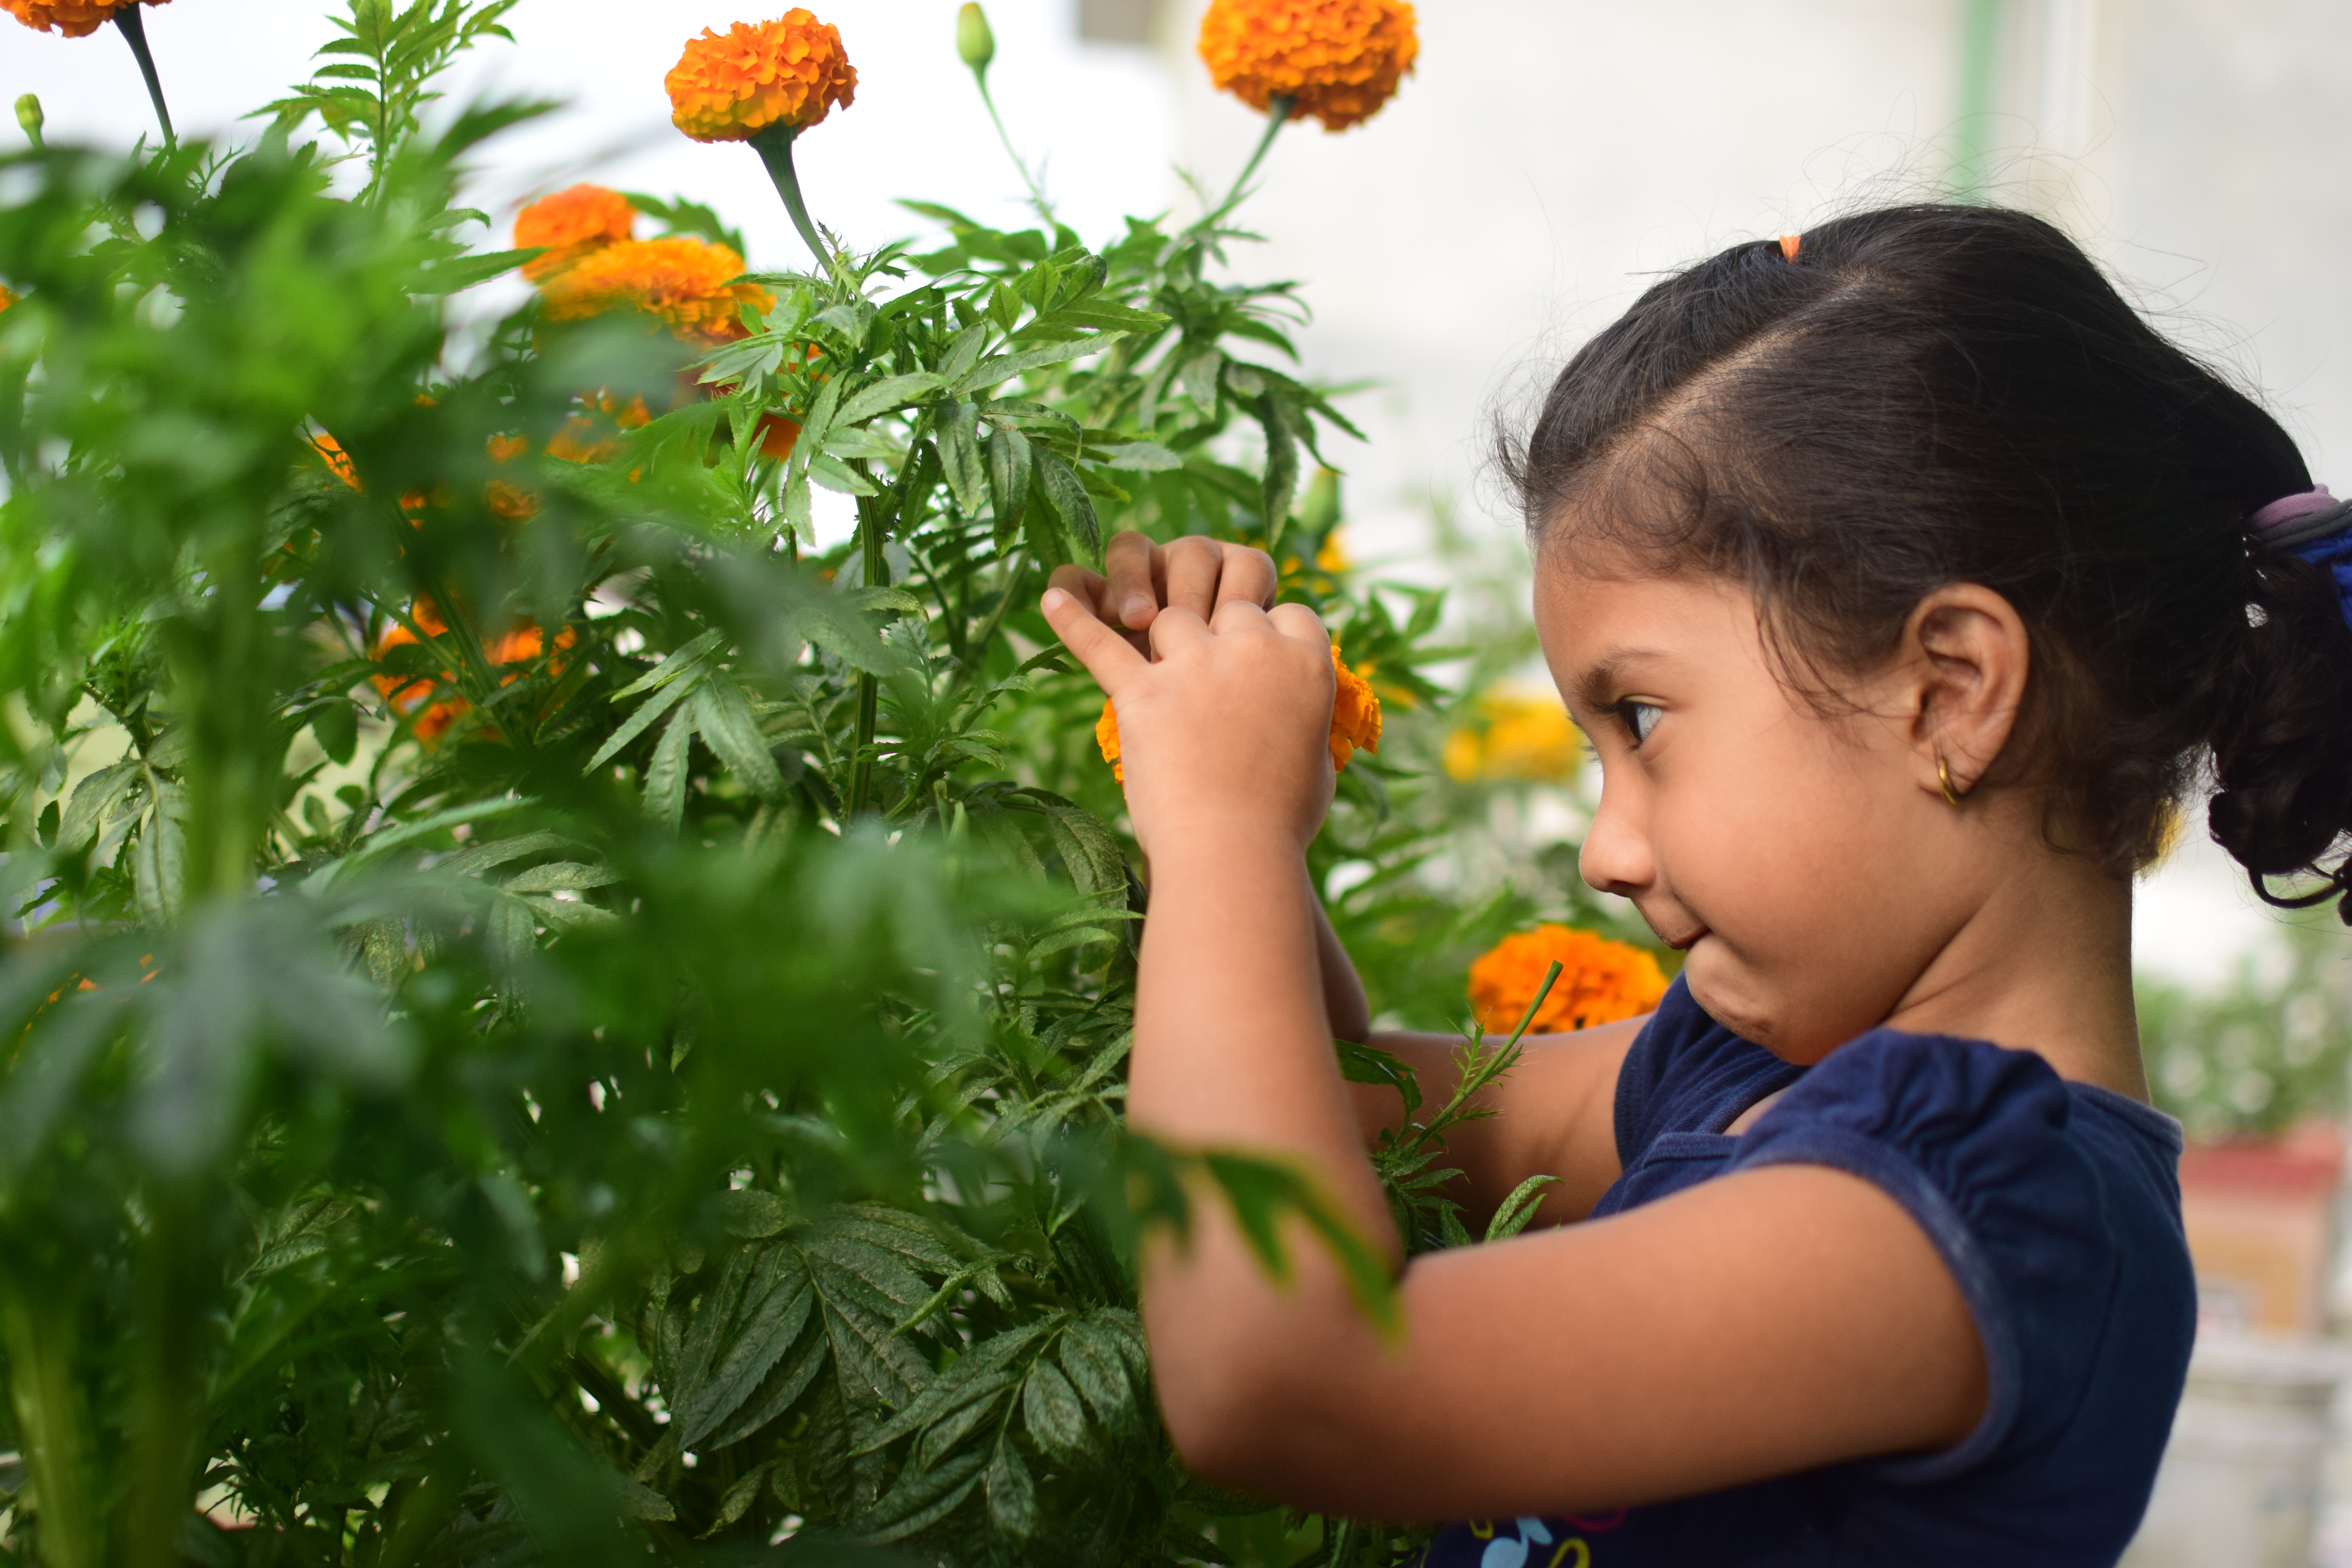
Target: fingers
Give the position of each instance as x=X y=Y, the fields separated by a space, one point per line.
x=1192 y=565
x=1248 y=575
x=1108 y=655
x=1299 y=622
x=1131 y=599
x=1089 y=588
x=1173 y=629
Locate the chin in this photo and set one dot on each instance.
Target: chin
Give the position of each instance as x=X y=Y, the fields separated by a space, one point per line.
x=1730 y=996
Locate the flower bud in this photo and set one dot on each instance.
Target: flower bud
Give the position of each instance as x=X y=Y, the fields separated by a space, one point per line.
x=974 y=42
x=29 y=116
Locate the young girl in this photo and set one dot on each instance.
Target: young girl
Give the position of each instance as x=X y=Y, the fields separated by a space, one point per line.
x=1905 y=582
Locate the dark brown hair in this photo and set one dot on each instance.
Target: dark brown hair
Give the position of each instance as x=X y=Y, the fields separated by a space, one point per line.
x=1932 y=394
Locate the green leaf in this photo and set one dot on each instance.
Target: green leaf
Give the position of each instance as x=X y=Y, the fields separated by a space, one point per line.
x=890 y=392
x=1012 y=1496
x=724 y=719
x=1148 y=457
x=665 y=794
x=1519 y=1208
x=676 y=664
x=566 y=876
x=1072 y=505
x=653 y=708
x=1050 y=1408
x=335 y=725
x=836 y=475
x=959 y=442
x=1002 y=368
x=1009 y=463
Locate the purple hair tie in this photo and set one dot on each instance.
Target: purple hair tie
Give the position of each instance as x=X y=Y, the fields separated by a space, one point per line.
x=2297 y=520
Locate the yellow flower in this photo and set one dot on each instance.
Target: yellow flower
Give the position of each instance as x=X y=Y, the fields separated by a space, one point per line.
x=689 y=283
x=571 y=224
x=1599 y=982
x=74 y=18
x=1338 y=60
x=1517 y=738
x=1355 y=720
x=338 y=462
x=729 y=87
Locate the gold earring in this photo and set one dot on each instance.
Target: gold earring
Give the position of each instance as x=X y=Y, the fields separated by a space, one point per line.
x=1944 y=781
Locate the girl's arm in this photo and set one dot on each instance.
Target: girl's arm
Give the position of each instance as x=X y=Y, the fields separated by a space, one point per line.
x=1762 y=1323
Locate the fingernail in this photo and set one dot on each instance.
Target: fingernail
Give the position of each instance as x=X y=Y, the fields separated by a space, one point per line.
x=1055 y=599
x=1137 y=610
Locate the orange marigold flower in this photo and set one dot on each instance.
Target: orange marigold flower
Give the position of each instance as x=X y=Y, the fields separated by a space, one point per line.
x=7 y=295
x=1515 y=737
x=406 y=697
x=1355 y=720
x=74 y=18
x=730 y=86
x=1338 y=60
x=338 y=462
x=1599 y=982
x=777 y=436
x=689 y=283
x=571 y=224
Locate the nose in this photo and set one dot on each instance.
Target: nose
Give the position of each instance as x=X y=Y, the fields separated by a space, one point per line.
x=1616 y=857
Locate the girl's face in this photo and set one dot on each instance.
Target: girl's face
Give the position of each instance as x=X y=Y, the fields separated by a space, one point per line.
x=1792 y=856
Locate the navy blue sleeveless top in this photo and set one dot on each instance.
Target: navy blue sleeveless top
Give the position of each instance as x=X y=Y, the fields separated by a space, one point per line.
x=2057 y=1208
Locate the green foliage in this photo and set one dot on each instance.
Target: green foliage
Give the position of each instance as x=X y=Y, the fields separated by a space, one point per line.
x=550 y=1016
x=2269 y=1049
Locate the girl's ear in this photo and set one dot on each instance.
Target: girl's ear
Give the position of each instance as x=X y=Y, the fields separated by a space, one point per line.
x=1968 y=649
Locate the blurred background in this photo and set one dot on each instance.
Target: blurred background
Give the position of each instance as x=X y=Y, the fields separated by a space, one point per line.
x=1549 y=158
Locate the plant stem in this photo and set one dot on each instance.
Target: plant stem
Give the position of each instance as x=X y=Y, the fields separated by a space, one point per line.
x=774 y=145
x=1036 y=192
x=47 y=1406
x=1277 y=115
x=875 y=572
x=134 y=31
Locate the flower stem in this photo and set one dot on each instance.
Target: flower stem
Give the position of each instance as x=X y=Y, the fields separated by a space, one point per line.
x=1036 y=192
x=774 y=144
x=134 y=31
x=1277 y=115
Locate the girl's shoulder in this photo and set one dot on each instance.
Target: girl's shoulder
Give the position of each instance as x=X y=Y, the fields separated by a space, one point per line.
x=2057 y=1206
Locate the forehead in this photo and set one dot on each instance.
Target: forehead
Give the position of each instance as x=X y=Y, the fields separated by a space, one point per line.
x=1586 y=613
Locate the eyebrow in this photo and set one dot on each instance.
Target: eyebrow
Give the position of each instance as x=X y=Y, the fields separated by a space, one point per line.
x=1595 y=688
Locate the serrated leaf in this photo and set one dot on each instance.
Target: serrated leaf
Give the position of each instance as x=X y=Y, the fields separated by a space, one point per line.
x=1145 y=456
x=1050 y=1408
x=774 y=1312
x=159 y=859
x=1073 y=508
x=1090 y=1355
x=653 y=708
x=835 y=475
x=725 y=720
x=922 y=1498
x=679 y=660
x=665 y=793
x=958 y=436
x=1012 y=1496
x=557 y=876
x=1002 y=368
x=1009 y=463
x=890 y=392
x=1519 y=1208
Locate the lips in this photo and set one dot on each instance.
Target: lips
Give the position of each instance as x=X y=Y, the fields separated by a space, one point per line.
x=1682 y=943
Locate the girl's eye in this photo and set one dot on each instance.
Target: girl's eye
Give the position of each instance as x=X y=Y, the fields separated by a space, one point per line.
x=1640 y=718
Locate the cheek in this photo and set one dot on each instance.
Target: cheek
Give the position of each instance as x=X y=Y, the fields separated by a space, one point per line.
x=1801 y=862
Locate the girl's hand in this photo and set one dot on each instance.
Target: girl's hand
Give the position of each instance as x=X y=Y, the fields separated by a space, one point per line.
x=1193 y=573
x=1222 y=727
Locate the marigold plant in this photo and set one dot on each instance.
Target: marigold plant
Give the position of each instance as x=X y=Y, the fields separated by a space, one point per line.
x=1338 y=60
x=569 y=225
x=1600 y=981
x=730 y=86
x=688 y=283
x=1355 y=720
